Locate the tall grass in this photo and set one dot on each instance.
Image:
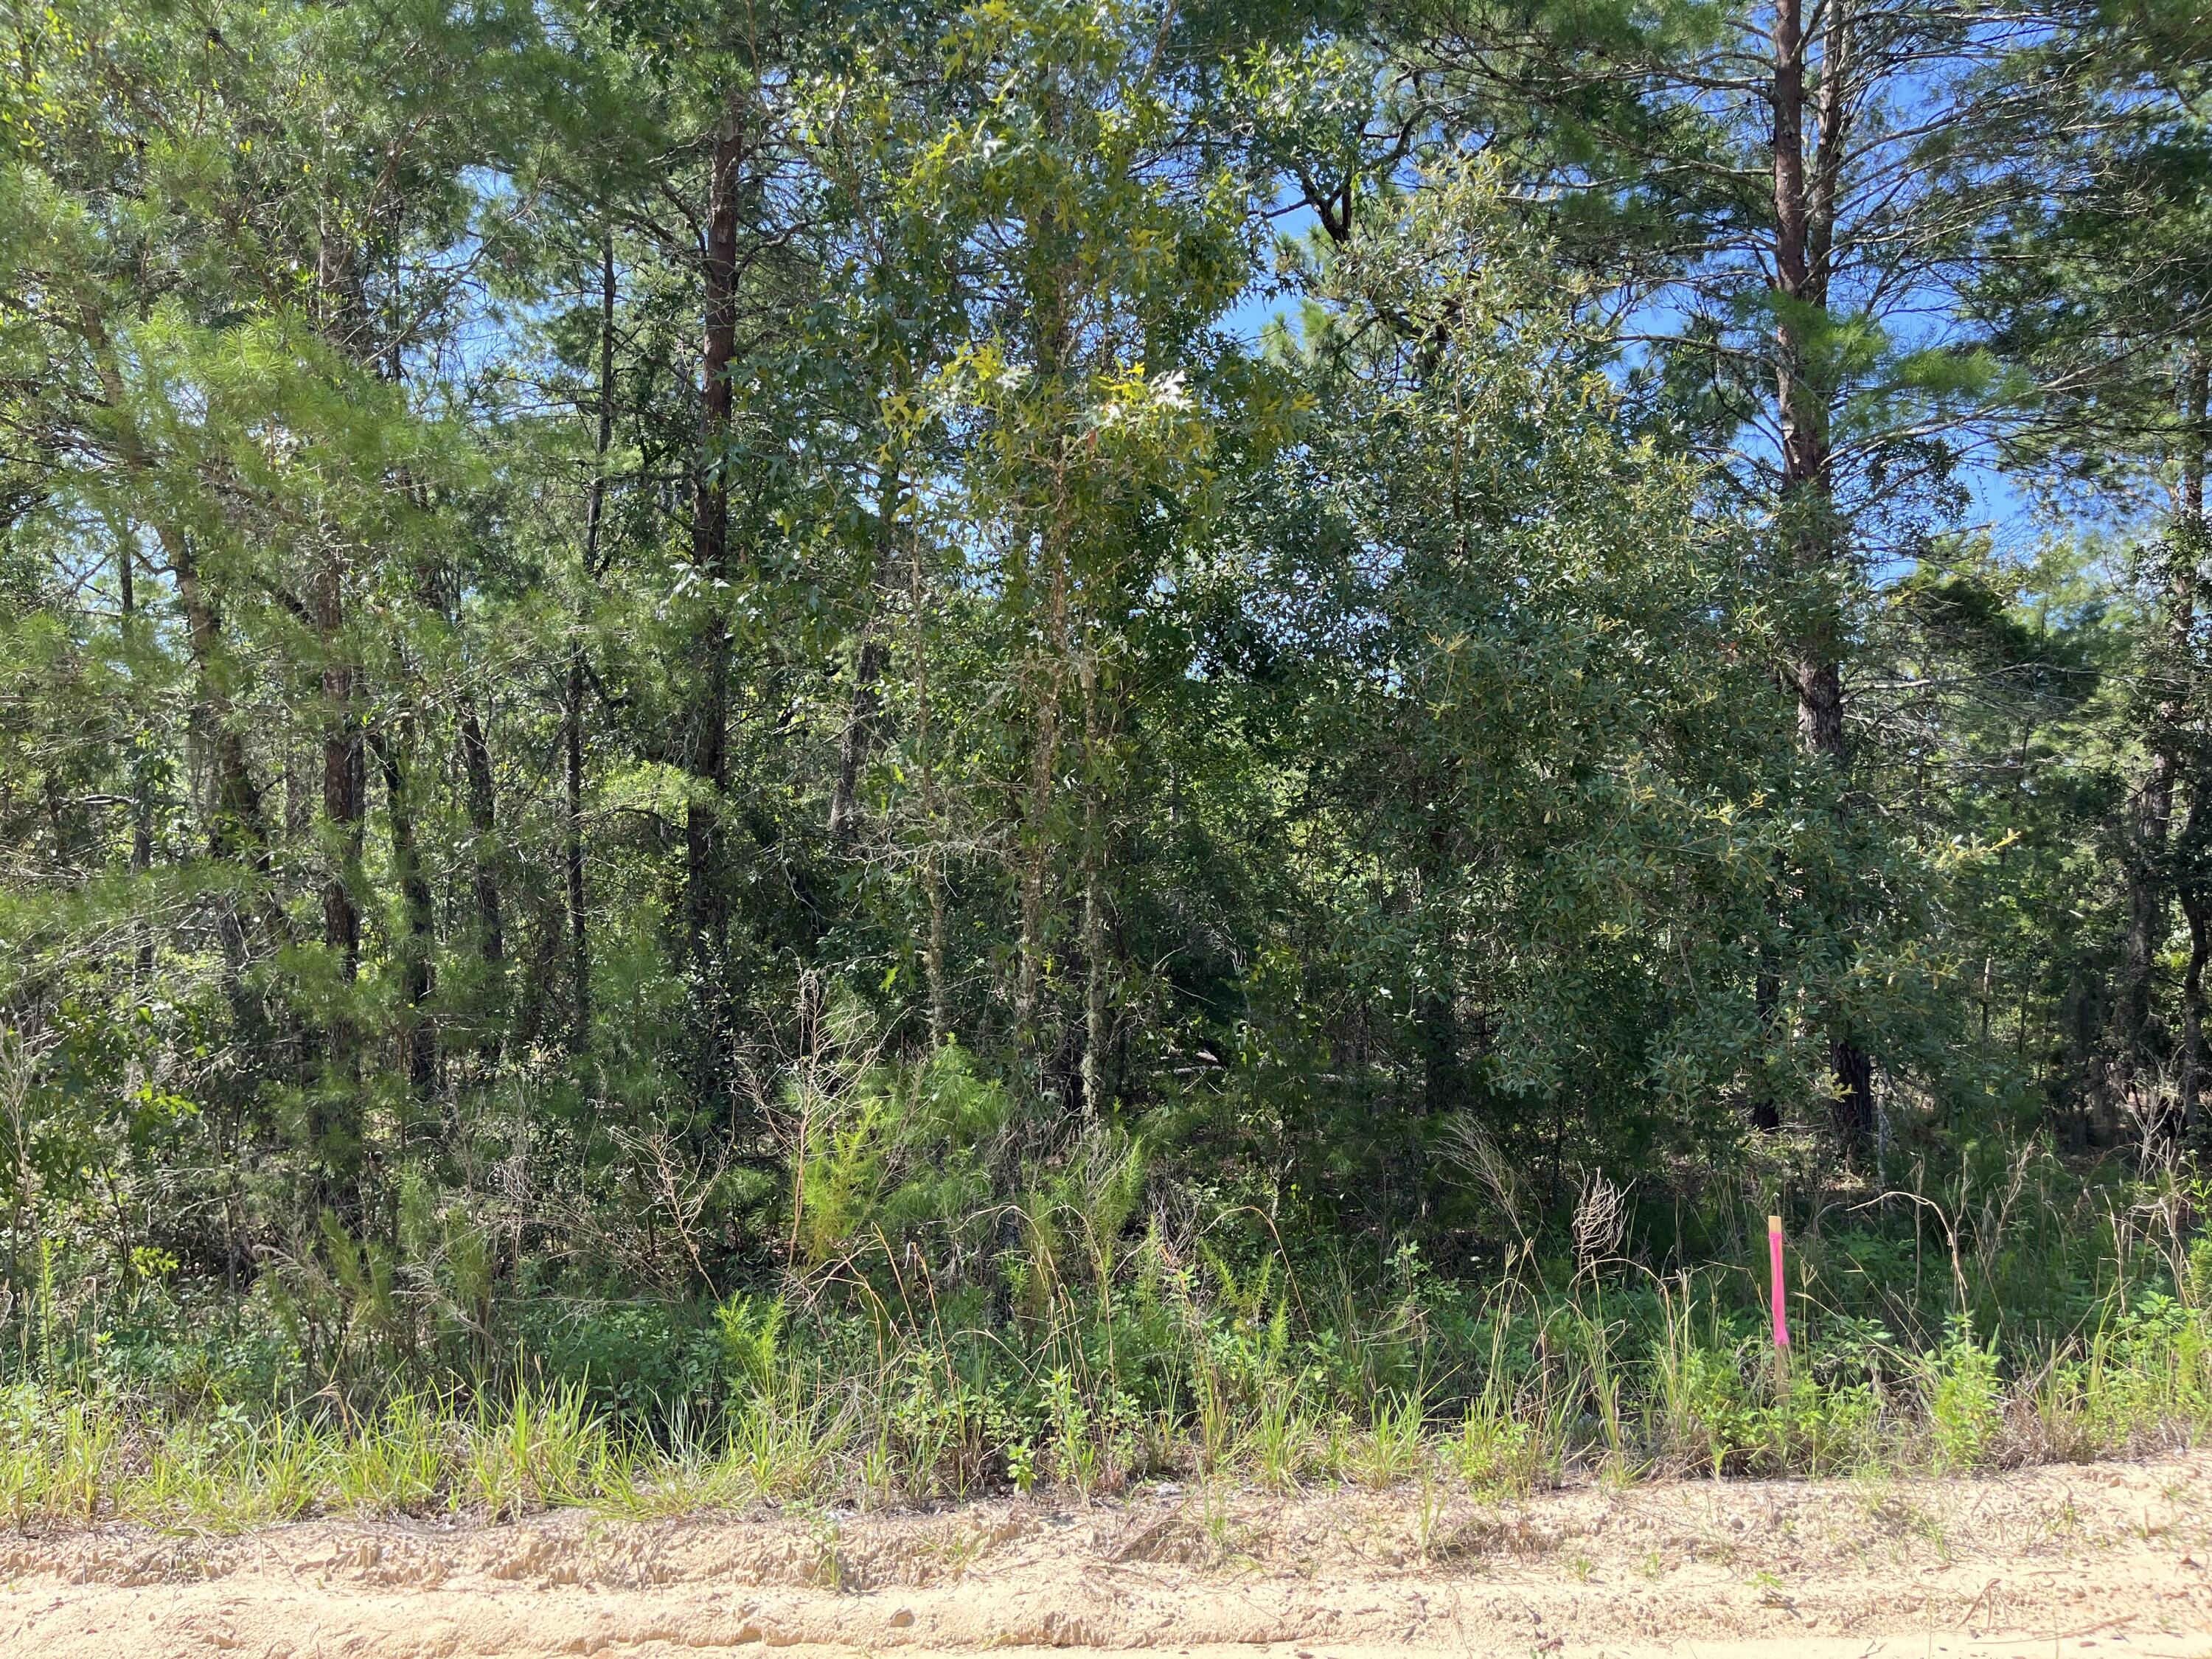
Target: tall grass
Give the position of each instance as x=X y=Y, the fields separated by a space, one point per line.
x=1620 y=1381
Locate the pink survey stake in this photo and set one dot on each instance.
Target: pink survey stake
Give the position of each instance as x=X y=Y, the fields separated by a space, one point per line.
x=1779 y=1301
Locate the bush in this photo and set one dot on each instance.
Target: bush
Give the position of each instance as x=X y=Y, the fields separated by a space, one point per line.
x=1966 y=1403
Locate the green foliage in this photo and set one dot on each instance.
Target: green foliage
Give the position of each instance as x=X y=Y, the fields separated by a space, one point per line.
x=1556 y=1380
x=750 y=1329
x=1965 y=1402
x=1134 y=908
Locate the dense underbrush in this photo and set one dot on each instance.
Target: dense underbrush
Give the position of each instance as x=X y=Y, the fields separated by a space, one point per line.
x=954 y=1308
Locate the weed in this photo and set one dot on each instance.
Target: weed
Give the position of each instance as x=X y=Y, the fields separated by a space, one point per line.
x=1393 y=1449
x=1428 y=1510
x=1280 y=1441
x=1498 y=1454
x=1964 y=1406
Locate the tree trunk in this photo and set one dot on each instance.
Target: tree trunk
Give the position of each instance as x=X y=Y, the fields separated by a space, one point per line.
x=1097 y=966
x=336 y=1124
x=142 y=802
x=941 y=1015
x=1045 y=677
x=1804 y=209
x=933 y=859
x=484 y=859
x=418 y=1041
x=2155 y=871
x=1807 y=496
x=142 y=798
x=580 y=940
x=705 y=895
x=237 y=828
x=2150 y=882
x=1045 y=692
x=2196 y=895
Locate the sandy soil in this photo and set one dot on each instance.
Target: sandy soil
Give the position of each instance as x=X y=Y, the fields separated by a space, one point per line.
x=2103 y=1562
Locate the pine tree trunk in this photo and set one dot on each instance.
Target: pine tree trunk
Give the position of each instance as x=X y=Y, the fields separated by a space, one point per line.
x=2158 y=870
x=335 y=1125
x=705 y=893
x=484 y=860
x=1803 y=231
x=2149 y=898
x=2196 y=895
x=1045 y=692
x=1098 y=967
x=418 y=1039
x=580 y=940
x=237 y=827
x=932 y=863
x=142 y=798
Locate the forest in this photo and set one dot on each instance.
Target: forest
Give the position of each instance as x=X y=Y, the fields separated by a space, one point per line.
x=912 y=746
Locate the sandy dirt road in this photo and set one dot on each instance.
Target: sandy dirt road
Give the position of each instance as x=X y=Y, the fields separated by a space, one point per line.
x=2101 y=1562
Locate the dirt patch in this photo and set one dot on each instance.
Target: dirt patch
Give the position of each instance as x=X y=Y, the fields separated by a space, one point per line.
x=2099 y=1562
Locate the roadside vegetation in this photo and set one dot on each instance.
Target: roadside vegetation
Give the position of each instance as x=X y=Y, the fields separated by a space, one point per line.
x=761 y=752
x=2029 y=1316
